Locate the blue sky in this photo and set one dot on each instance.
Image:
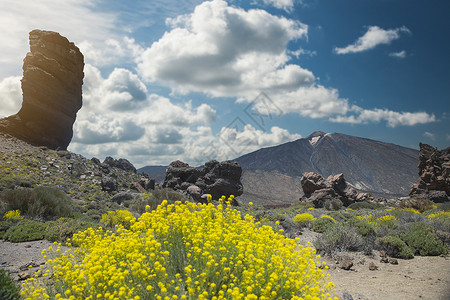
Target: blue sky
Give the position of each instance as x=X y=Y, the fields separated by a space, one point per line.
x=197 y=80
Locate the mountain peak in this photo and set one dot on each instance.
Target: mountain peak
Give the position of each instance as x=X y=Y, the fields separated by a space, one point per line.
x=314 y=137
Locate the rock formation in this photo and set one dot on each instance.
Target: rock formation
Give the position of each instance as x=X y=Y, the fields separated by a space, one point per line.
x=216 y=178
x=434 y=174
x=51 y=87
x=332 y=192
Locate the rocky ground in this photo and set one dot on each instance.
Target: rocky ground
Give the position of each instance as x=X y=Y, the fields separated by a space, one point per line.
x=367 y=279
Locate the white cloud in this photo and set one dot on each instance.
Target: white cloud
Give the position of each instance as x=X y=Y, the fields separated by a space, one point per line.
x=393 y=118
x=221 y=50
x=373 y=37
x=10 y=95
x=447 y=137
x=400 y=54
x=286 y=5
x=429 y=135
x=71 y=18
x=110 y=52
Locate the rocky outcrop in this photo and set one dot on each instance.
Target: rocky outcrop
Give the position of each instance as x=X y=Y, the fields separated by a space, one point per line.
x=216 y=178
x=333 y=191
x=120 y=163
x=434 y=174
x=51 y=87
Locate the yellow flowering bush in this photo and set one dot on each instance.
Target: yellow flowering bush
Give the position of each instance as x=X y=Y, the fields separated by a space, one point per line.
x=118 y=217
x=303 y=219
x=439 y=214
x=184 y=251
x=13 y=215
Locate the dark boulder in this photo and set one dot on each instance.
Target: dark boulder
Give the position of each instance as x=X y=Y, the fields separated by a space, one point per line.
x=216 y=178
x=332 y=192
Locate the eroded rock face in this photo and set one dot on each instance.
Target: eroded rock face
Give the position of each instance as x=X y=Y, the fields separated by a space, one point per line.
x=216 y=178
x=434 y=174
x=334 y=189
x=51 y=87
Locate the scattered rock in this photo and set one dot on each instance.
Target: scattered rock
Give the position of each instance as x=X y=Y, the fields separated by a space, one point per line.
x=393 y=261
x=384 y=260
x=346 y=265
x=24 y=275
x=434 y=174
x=51 y=88
x=109 y=184
x=121 y=197
x=138 y=187
x=344 y=296
x=373 y=266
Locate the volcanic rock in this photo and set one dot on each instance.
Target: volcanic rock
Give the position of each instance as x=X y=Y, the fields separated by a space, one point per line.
x=333 y=190
x=120 y=163
x=52 y=95
x=434 y=174
x=216 y=178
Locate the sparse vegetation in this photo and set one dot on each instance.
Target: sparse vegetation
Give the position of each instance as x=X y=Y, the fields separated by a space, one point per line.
x=8 y=289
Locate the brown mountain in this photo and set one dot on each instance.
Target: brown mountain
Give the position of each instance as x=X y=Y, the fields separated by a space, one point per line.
x=371 y=166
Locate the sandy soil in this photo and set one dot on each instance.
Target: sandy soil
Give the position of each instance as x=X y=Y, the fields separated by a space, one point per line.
x=418 y=278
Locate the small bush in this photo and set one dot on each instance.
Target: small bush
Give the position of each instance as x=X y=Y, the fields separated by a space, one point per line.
x=362 y=227
x=64 y=228
x=303 y=219
x=365 y=205
x=118 y=217
x=13 y=215
x=24 y=231
x=323 y=223
x=423 y=239
x=8 y=289
x=339 y=238
x=394 y=247
x=39 y=202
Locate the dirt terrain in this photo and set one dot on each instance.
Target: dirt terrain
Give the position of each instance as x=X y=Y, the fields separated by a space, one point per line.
x=418 y=278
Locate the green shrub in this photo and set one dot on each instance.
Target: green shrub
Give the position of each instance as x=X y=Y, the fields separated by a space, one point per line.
x=362 y=227
x=8 y=289
x=394 y=247
x=323 y=223
x=39 y=202
x=423 y=239
x=365 y=205
x=10 y=182
x=24 y=231
x=339 y=238
x=64 y=228
x=158 y=196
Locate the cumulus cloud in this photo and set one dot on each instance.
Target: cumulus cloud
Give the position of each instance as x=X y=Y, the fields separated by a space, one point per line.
x=226 y=51
x=373 y=37
x=120 y=117
x=18 y=18
x=10 y=95
x=400 y=54
x=393 y=118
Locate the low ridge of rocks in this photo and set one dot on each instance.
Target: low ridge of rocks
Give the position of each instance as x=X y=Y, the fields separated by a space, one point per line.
x=333 y=191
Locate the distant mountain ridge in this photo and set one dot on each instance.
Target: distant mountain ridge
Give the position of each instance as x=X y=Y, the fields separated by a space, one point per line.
x=368 y=165
x=272 y=175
